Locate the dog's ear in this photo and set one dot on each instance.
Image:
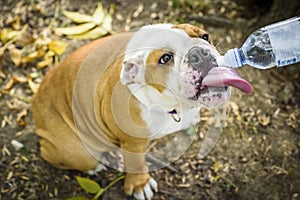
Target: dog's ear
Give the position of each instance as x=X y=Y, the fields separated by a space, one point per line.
x=131 y=69
x=194 y=31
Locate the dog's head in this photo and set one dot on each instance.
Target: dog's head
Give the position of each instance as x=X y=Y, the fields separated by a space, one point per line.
x=178 y=61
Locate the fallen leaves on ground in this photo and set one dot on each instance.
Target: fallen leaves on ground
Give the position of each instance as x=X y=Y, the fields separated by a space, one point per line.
x=89 y=26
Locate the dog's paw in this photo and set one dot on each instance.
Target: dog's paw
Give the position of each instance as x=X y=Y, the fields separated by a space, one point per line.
x=147 y=192
x=97 y=169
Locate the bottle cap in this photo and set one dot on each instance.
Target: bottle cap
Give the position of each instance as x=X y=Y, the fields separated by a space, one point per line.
x=230 y=59
x=233 y=58
x=221 y=61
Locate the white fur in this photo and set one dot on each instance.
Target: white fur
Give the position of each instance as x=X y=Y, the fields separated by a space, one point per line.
x=155 y=105
x=147 y=192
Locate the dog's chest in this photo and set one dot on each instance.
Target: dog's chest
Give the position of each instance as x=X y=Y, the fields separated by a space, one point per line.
x=161 y=123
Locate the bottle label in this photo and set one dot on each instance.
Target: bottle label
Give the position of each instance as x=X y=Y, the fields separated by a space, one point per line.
x=285 y=41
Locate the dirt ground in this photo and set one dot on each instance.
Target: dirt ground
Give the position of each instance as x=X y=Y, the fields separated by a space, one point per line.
x=256 y=157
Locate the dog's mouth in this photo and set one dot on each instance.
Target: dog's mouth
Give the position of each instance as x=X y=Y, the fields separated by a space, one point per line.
x=223 y=77
x=217 y=79
x=203 y=76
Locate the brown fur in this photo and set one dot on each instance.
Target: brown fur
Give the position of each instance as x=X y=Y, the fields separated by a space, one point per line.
x=156 y=75
x=192 y=31
x=52 y=108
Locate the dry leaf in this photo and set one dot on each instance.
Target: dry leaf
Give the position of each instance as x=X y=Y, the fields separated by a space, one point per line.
x=33 y=86
x=25 y=39
x=236 y=110
x=78 y=17
x=2 y=49
x=138 y=11
x=10 y=84
x=94 y=27
x=93 y=34
x=21 y=118
x=45 y=63
x=11 y=35
x=99 y=14
x=264 y=120
x=34 y=55
x=19 y=79
x=107 y=23
x=57 y=46
x=74 y=30
x=15 y=22
x=8 y=34
x=16 y=55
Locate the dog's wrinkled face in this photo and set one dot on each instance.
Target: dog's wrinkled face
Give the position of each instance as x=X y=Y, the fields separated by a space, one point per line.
x=174 y=60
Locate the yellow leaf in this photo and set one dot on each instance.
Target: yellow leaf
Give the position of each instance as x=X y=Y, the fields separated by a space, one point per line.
x=93 y=34
x=78 y=17
x=33 y=86
x=99 y=14
x=57 y=46
x=20 y=79
x=16 y=55
x=8 y=34
x=49 y=54
x=11 y=35
x=9 y=85
x=15 y=22
x=3 y=35
x=2 y=49
x=107 y=23
x=34 y=75
x=44 y=63
x=34 y=55
x=79 y=29
x=216 y=166
x=264 y=120
x=88 y=185
x=21 y=118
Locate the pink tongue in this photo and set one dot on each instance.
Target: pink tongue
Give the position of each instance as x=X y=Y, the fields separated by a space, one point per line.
x=223 y=76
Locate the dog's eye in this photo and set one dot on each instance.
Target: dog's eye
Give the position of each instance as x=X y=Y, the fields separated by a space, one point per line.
x=205 y=36
x=165 y=58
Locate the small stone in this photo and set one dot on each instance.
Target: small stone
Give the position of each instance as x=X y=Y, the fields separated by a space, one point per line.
x=17 y=145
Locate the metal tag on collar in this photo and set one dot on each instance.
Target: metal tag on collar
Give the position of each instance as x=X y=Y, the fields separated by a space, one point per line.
x=175 y=115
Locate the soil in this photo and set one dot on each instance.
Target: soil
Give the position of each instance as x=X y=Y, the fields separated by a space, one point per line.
x=256 y=157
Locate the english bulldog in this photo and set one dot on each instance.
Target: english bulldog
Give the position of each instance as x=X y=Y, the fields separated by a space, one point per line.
x=124 y=90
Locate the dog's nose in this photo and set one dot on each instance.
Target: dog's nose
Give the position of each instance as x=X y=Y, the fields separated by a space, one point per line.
x=201 y=59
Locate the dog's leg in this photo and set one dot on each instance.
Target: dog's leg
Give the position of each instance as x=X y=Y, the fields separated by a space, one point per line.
x=137 y=181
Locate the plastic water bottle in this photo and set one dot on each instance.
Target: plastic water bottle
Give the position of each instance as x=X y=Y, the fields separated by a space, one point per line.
x=273 y=45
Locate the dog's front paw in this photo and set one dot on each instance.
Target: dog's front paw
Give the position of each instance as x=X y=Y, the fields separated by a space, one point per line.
x=147 y=192
x=142 y=186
